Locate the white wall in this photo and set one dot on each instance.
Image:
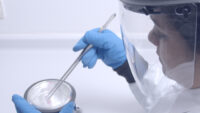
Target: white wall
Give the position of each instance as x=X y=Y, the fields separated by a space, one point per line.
x=56 y=16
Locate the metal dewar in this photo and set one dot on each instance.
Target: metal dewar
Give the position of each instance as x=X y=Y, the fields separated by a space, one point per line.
x=37 y=94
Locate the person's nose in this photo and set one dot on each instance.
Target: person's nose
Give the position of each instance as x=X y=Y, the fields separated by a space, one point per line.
x=153 y=38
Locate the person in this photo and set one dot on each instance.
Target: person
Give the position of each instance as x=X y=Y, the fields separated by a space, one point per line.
x=165 y=79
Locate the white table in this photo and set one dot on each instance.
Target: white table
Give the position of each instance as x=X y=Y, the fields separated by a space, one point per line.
x=99 y=90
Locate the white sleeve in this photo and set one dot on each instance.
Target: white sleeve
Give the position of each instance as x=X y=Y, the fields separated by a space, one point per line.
x=140 y=97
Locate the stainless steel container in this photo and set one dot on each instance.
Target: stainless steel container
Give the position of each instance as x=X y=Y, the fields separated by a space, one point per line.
x=37 y=93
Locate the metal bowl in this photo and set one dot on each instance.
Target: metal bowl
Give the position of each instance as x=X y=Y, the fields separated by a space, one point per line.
x=37 y=93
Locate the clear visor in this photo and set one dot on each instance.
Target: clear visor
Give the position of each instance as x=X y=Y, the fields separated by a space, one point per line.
x=160 y=45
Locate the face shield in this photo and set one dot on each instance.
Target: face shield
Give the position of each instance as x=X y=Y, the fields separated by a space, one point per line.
x=161 y=49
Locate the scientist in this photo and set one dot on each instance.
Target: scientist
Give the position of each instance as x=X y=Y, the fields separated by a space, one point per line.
x=164 y=80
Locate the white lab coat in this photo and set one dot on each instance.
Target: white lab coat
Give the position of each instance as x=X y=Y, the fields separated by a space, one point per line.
x=187 y=102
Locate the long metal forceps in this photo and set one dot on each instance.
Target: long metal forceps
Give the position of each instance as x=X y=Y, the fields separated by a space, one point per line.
x=75 y=63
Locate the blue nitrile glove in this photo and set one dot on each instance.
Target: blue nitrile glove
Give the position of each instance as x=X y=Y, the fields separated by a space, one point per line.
x=106 y=46
x=22 y=106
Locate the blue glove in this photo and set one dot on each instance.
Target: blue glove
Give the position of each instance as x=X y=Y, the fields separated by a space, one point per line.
x=106 y=46
x=22 y=106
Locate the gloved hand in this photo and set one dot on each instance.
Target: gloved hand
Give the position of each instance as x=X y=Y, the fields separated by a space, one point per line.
x=106 y=46
x=22 y=106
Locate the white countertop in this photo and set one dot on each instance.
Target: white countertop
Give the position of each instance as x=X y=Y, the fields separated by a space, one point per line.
x=99 y=90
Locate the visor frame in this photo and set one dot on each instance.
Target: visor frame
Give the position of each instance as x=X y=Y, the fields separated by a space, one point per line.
x=157 y=2
x=180 y=9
